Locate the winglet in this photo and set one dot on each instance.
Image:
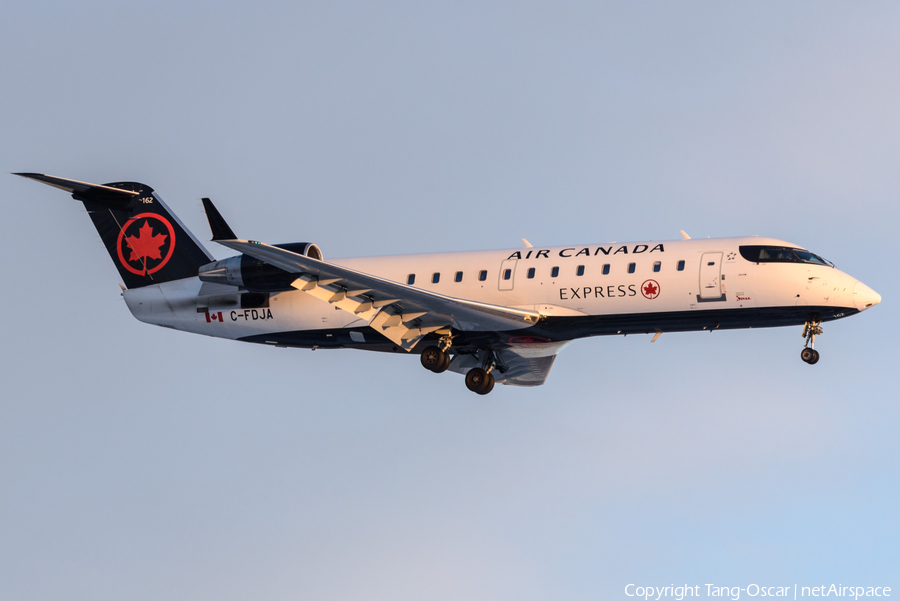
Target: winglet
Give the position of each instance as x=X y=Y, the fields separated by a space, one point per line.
x=527 y=243
x=218 y=226
x=684 y=235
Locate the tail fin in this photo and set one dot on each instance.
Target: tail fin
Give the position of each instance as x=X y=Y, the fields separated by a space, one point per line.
x=148 y=244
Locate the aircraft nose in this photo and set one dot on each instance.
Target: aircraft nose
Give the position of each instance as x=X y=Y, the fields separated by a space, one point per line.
x=864 y=297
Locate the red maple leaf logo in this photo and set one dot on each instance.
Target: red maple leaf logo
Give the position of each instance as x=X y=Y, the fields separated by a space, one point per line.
x=650 y=289
x=146 y=245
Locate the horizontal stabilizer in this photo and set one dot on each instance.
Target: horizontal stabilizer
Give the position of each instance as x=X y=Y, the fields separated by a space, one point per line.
x=146 y=241
x=104 y=195
x=220 y=229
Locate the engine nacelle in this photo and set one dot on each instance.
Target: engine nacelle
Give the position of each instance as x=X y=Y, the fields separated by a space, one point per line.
x=252 y=274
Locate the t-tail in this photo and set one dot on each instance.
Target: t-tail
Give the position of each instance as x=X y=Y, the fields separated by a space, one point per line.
x=146 y=241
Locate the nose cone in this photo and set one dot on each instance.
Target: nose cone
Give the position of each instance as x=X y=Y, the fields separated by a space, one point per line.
x=864 y=297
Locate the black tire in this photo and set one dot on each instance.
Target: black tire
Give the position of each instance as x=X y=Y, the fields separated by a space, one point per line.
x=433 y=358
x=477 y=379
x=443 y=366
x=814 y=359
x=807 y=354
x=489 y=385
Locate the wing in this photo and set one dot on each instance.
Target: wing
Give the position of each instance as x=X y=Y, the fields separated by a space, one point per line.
x=402 y=313
x=517 y=364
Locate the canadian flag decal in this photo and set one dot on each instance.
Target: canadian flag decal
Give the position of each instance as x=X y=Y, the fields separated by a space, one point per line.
x=211 y=317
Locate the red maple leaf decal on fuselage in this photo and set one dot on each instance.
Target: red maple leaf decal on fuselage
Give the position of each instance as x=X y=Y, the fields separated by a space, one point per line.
x=650 y=289
x=146 y=245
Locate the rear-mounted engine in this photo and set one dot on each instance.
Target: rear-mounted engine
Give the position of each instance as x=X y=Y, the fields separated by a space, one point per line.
x=255 y=275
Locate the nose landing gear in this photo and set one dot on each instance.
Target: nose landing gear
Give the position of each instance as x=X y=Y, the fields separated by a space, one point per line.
x=809 y=355
x=810 y=330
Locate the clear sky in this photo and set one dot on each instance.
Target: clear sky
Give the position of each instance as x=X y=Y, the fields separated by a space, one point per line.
x=142 y=463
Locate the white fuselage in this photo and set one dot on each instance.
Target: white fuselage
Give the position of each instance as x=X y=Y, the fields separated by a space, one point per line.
x=642 y=279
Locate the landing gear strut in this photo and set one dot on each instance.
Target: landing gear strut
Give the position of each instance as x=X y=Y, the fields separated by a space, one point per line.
x=436 y=358
x=810 y=330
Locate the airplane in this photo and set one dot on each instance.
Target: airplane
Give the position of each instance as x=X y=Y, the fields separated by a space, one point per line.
x=496 y=316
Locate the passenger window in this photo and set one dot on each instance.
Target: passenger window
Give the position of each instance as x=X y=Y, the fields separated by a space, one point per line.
x=606 y=269
x=482 y=276
x=436 y=278
x=631 y=268
x=531 y=273
x=554 y=272
x=411 y=279
x=656 y=267
x=458 y=276
x=680 y=265
x=507 y=273
x=580 y=270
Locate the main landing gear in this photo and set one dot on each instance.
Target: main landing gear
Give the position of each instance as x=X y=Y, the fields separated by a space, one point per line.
x=810 y=330
x=480 y=380
x=436 y=358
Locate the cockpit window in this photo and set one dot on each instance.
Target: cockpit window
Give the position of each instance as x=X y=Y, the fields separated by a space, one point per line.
x=808 y=257
x=775 y=254
x=780 y=254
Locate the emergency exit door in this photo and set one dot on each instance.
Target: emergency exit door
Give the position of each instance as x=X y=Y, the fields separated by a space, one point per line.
x=507 y=274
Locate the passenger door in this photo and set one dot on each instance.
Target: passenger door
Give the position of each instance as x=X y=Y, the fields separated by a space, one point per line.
x=711 y=277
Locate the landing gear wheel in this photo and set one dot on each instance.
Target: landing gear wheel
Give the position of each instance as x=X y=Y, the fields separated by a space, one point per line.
x=490 y=384
x=479 y=381
x=811 y=329
x=435 y=359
